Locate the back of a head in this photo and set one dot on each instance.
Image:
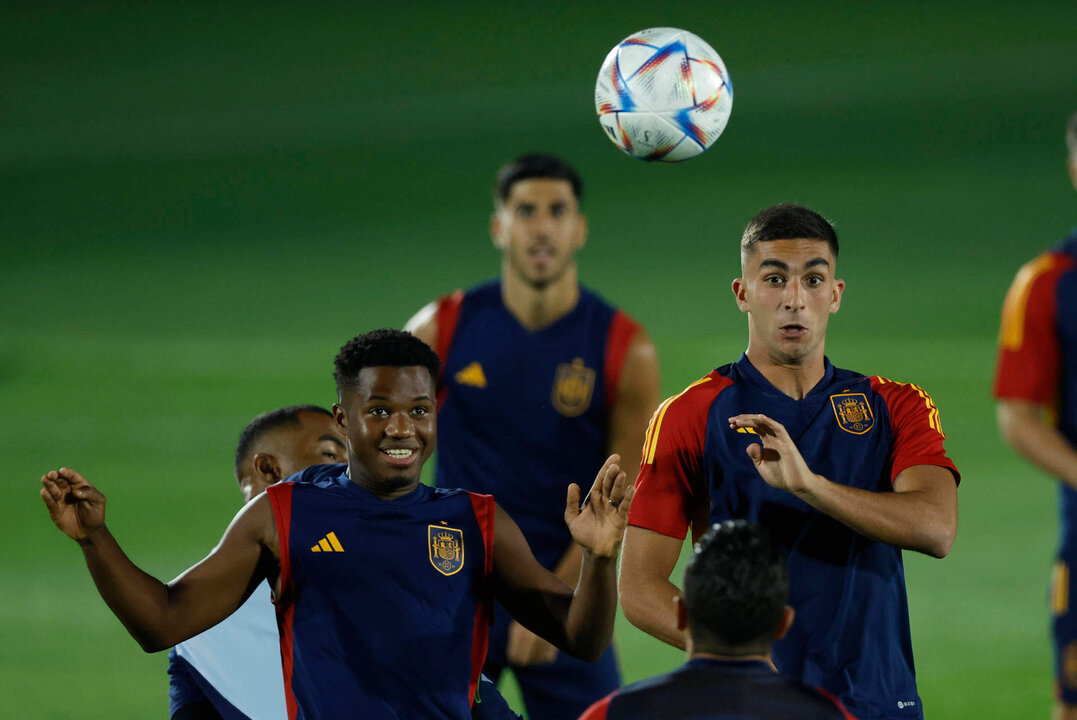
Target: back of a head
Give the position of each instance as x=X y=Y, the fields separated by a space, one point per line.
x=384 y=347
x=535 y=165
x=787 y=222
x=267 y=422
x=735 y=588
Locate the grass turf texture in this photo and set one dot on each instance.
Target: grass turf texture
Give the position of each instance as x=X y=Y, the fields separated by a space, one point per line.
x=200 y=204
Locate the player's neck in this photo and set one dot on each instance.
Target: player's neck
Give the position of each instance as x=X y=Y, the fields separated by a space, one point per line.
x=380 y=489
x=733 y=658
x=793 y=379
x=539 y=307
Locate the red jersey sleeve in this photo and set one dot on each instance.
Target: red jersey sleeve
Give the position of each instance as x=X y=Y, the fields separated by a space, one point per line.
x=669 y=488
x=917 y=429
x=622 y=331
x=1028 y=354
x=597 y=711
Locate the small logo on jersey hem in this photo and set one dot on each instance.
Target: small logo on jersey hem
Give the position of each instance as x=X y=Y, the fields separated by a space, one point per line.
x=471 y=375
x=446 y=546
x=902 y=704
x=852 y=412
x=329 y=543
x=573 y=387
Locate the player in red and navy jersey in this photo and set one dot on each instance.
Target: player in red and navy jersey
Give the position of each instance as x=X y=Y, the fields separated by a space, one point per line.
x=845 y=469
x=382 y=585
x=541 y=380
x=1036 y=389
x=734 y=607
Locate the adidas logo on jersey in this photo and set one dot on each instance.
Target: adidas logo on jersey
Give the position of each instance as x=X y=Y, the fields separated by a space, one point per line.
x=471 y=375
x=329 y=543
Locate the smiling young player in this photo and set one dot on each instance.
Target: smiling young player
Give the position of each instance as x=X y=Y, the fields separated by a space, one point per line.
x=382 y=585
x=846 y=470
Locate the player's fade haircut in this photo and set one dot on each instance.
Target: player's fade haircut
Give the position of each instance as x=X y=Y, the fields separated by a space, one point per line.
x=787 y=222
x=535 y=165
x=384 y=347
x=1071 y=136
x=735 y=589
x=260 y=426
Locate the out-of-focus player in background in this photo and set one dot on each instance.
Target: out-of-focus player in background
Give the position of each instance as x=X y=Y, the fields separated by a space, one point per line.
x=733 y=609
x=233 y=670
x=1036 y=389
x=541 y=379
x=382 y=585
x=845 y=470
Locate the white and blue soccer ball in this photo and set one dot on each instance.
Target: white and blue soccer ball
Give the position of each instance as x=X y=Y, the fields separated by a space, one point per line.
x=663 y=94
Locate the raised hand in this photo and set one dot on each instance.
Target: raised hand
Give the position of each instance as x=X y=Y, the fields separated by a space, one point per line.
x=600 y=524
x=777 y=460
x=75 y=506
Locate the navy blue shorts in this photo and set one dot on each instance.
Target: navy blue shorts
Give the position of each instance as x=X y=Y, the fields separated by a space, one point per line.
x=1064 y=627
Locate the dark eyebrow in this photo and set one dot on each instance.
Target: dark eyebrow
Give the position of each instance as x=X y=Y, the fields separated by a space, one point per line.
x=774 y=263
x=816 y=261
x=332 y=439
x=422 y=398
x=782 y=266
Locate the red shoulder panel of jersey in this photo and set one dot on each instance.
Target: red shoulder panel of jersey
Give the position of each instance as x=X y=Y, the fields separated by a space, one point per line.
x=280 y=500
x=622 y=331
x=448 y=313
x=914 y=418
x=845 y=713
x=1028 y=352
x=598 y=710
x=483 y=507
x=670 y=489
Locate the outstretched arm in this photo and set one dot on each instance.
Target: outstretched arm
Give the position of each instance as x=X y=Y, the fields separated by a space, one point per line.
x=158 y=615
x=579 y=623
x=921 y=513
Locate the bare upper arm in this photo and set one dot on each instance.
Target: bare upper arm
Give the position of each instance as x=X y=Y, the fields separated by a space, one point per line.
x=216 y=586
x=646 y=556
x=424 y=324
x=1015 y=415
x=637 y=397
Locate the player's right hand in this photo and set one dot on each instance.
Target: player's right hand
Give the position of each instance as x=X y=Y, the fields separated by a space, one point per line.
x=75 y=506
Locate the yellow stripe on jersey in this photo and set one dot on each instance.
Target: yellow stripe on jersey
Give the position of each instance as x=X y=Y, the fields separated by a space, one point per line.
x=933 y=420
x=1060 y=589
x=1011 y=332
x=650 y=441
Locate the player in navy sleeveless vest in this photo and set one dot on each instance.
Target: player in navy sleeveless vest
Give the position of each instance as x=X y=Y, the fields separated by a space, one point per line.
x=1036 y=389
x=233 y=670
x=541 y=380
x=734 y=608
x=845 y=469
x=382 y=586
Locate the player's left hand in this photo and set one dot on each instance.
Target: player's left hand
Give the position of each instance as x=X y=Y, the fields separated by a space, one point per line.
x=776 y=457
x=599 y=525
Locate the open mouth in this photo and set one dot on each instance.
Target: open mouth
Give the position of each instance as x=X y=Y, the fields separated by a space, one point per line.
x=400 y=456
x=792 y=330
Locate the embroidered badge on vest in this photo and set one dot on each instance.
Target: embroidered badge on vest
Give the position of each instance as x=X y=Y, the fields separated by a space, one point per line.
x=853 y=412
x=446 y=549
x=472 y=375
x=573 y=386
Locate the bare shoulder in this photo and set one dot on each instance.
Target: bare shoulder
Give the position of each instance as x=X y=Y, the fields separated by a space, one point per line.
x=424 y=324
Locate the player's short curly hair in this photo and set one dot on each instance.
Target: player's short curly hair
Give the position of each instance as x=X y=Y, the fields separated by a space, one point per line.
x=376 y=348
x=262 y=425
x=535 y=165
x=735 y=588
x=787 y=222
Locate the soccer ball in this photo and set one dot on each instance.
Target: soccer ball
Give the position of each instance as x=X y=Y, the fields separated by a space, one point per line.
x=663 y=94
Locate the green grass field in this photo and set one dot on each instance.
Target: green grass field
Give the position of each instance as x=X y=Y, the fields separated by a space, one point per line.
x=200 y=204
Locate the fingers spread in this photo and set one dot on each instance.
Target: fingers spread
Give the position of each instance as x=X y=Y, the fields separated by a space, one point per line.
x=572 y=502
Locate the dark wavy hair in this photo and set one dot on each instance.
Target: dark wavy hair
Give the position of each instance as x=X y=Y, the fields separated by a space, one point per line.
x=787 y=222
x=735 y=589
x=535 y=165
x=376 y=348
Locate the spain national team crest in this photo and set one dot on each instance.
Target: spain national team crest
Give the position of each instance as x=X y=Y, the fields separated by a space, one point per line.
x=853 y=412
x=446 y=549
x=573 y=386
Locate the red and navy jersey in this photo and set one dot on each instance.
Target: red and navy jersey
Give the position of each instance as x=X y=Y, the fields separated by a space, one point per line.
x=851 y=635
x=522 y=414
x=384 y=604
x=708 y=689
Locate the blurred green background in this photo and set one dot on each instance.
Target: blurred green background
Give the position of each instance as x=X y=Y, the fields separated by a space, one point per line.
x=200 y=203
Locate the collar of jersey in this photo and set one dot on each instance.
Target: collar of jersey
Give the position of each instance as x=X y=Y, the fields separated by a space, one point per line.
x=416 y=495
x=749 y=372
x=746 y=665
